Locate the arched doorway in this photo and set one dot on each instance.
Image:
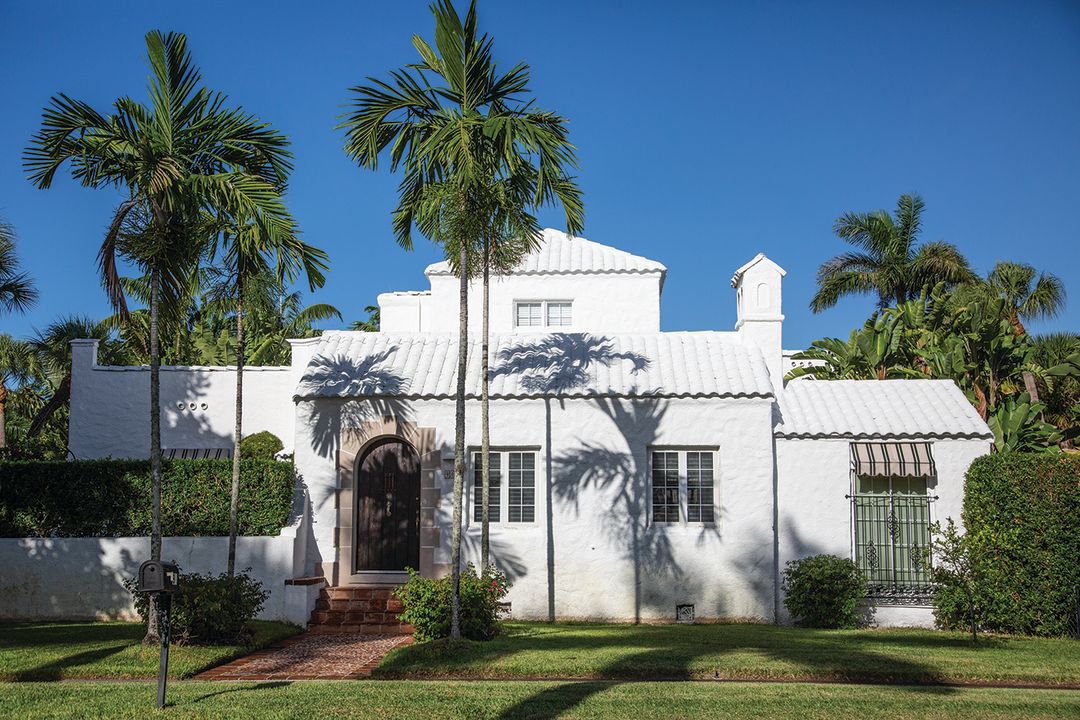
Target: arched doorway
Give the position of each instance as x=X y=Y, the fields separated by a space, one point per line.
x=387 y=508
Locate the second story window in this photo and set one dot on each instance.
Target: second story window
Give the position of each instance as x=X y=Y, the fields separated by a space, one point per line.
x=543 y=313
x=558 y=314
x=528 y=314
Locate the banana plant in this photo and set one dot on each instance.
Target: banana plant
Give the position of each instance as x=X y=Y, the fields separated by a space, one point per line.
x=1018 y=427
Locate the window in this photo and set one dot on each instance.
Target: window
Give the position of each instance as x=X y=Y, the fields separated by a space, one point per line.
x=891 y=516
x=683 y=483
x=494 y=484
x=528 y=314
x=699 y=487
x=544 y=313
x=518 y=503
x=559 y=314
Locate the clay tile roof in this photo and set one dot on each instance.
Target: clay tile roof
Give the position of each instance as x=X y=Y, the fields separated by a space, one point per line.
x=424 y=365
x=560 y=254
x=877 y=409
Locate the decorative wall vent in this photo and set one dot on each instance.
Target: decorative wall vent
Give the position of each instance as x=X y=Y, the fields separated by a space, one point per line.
x=684 y=614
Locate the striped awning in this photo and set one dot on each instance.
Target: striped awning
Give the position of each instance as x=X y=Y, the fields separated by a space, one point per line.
x=197 y=453
x=895 y=459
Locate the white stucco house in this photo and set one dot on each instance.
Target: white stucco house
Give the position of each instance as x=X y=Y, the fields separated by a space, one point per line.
x=637 y=470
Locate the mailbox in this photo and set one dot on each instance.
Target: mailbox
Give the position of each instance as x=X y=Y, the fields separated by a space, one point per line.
x=158 y=576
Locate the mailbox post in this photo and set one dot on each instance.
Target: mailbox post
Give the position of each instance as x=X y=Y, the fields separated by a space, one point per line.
x=161 y=580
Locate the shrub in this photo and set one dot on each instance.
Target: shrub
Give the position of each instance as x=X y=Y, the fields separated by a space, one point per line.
x=1021 y=514
x=111 y=498
x=427 y=604
x=824 y=591
x=264 y=445
x=209 y=610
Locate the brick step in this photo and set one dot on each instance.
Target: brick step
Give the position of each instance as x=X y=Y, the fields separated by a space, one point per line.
x=347 y=609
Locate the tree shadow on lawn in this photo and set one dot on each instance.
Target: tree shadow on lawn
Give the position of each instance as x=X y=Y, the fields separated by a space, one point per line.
x=273 y=685
x=675 y=661
x=54 y=670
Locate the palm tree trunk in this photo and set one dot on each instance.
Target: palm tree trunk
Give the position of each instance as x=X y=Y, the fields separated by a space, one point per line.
x=459 y=445
x=59 y=399
x=3 y=415
x=155 y=442
x=485 y=428
x=234 y=497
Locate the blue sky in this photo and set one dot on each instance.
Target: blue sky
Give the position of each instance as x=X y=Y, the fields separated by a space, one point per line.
x=706 y=131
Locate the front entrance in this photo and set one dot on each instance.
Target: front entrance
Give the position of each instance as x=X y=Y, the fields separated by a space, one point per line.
x=387 y=509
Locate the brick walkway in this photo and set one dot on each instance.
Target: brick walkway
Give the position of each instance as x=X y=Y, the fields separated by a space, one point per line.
x=311 y=657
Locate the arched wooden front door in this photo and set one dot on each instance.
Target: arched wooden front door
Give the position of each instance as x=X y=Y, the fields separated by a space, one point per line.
x=387 y=510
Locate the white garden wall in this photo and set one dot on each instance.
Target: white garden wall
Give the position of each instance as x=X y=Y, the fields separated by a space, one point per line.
x=69 y=578
x=110 y=406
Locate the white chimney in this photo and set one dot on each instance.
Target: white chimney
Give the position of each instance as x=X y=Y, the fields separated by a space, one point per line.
x=758 y=285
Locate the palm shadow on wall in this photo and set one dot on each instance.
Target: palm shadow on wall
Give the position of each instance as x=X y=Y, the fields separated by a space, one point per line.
x=564 y=364
x=349 y=392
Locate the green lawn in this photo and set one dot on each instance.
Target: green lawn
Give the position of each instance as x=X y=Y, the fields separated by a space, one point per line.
x=744 y=652
x=58 y=651
x=458 y=699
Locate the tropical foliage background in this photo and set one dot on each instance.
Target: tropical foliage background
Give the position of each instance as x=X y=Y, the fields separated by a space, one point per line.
x=936 y=318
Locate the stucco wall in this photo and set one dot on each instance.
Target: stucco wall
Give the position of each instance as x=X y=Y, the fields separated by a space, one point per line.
x=814 y=516
x=611 y=303
x=83 y=577
x=110 y=406
x=593 y=552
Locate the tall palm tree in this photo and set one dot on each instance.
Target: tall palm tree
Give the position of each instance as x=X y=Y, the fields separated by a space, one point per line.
x=17 y=291
x=511 y=232
x=888 y=262
x=1027 y=297
x=454 y=124
x=252 y=252
x=180 y=158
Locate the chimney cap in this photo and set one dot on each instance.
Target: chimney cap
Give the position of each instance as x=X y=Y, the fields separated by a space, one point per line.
x=759 y=258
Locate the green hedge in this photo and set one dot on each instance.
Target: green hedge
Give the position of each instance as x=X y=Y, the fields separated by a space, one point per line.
x=111 y=498
x=1022 y=514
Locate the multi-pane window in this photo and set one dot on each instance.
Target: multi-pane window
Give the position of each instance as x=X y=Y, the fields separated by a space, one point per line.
x=699 y=487
x=528 y=314
x=683 y=486
x=665 y=487
x=521 y=487
x=544 y=313
x=518 y=503
x=494 y=484
x=559 y=314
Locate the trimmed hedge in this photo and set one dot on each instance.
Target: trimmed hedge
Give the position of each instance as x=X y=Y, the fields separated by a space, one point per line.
x=1022 y=516
x=111 y=498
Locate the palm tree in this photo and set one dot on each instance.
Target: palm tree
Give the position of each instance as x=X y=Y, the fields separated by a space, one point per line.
x=455 y=125
x=52 y=350
x=372 y=322
x=276 y=316
x=1028 y=297
x=181 y=158
x=888 y=263
x=17 y=291
x=16 y=368
x=253 y=252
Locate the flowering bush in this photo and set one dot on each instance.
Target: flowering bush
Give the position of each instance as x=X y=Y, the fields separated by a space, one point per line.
x=427 y=604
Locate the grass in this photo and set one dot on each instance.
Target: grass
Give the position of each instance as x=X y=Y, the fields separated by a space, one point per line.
x=456 y=699
x=61 y=651
x=741 y=652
